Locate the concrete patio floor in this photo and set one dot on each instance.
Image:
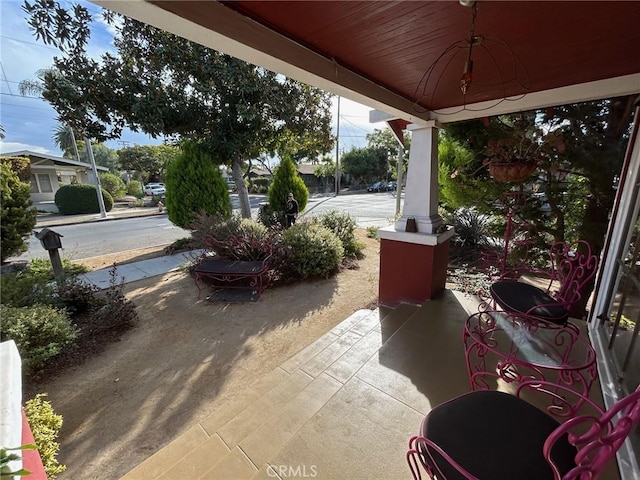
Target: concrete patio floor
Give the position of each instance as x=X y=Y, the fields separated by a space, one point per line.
x=344 y=407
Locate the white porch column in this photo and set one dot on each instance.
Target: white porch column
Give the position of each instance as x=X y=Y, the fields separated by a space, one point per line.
x=421 y=194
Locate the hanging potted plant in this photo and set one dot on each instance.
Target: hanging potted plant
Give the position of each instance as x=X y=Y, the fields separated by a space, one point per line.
x=512 y=159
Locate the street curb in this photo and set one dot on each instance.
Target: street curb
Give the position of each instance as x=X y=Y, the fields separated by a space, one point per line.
x=63 y=223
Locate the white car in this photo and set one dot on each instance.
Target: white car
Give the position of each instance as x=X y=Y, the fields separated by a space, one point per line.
x=154 y=189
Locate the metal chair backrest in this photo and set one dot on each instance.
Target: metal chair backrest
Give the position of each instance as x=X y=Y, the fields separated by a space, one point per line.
x=596 y=436
x=573 y=265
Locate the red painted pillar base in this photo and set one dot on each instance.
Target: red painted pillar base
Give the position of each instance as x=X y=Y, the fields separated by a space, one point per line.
x=412 y=272
x=30 y=458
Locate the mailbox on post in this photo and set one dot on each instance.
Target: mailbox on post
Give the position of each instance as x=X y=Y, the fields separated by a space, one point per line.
x=49 y=239
x=51 y=242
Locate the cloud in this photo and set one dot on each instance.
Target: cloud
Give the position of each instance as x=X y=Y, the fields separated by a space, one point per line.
x=6 y=147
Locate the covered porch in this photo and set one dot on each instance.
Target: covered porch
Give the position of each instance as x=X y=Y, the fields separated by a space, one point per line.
x=343 y=407
x=384 y=54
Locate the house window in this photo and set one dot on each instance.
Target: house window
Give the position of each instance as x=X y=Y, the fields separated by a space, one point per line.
x=45 y=183
x=34 y=184
x=41 y=183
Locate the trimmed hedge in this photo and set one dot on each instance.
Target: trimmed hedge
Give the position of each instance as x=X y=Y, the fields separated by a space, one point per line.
x=77 y=198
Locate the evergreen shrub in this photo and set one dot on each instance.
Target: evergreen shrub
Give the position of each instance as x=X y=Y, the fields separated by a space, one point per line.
x=45 y=425
x=194 y=184
x=40 y=332
x=286 y=180
x=343 y=226
x=316 y=251
x=17 y=218
x=81 y=198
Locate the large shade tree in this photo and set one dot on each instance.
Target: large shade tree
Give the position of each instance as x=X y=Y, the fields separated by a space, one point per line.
x=167 y=86
x=366 y=164
x=150 y=162
x=578 y=180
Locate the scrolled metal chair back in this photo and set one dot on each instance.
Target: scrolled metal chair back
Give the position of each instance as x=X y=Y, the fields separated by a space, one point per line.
x=596 y=438
x=573 y=265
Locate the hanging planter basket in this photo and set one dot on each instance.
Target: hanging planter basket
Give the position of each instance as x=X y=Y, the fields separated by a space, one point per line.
x=511 y=172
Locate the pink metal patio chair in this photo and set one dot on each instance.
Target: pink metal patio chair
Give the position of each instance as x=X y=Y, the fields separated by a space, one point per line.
x=493 y=435
x=571 y=267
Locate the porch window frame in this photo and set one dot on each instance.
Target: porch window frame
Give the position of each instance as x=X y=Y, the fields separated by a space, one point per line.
x=626 y=210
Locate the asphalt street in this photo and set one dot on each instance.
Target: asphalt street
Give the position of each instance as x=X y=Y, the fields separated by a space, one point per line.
x=86 y=240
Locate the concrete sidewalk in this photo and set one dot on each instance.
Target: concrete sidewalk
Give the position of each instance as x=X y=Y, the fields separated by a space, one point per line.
x=132 y=272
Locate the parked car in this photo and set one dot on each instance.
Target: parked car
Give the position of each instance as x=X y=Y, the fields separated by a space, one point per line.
x=377 y=187
x=154 y=189
x=392 y=186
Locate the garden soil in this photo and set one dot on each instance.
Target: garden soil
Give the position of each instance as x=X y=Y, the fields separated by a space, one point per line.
x=184 y=358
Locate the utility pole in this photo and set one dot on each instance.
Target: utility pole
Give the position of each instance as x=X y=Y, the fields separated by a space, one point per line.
x=75 y=145
x=337 y=152
x=87 y=145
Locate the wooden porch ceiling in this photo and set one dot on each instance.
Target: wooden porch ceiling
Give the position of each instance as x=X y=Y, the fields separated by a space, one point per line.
x=407 y=57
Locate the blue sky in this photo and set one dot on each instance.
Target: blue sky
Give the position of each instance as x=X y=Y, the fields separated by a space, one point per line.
x=29 y=123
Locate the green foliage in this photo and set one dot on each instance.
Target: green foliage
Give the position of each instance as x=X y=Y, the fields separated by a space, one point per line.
x=34 y=284
x=180 y=245
x=40 y=332
x=150 y=161
x=6 y=458
x=271 y=218
x=45 y=425
x=113 y=184
x=316 y=250
x=287 y=180
x=325 y=171
x=366 y=164
x=194 y=184
x=343 y=226
x=235 y=110
x=103 y=155
x=21 y=166
x=17 y=219
x=41 y=267
x=81 y=198
x=260 y=185
x=372 y=232
x=386 y=140
x=462 y=182
x=134 y=187
x=232 y=237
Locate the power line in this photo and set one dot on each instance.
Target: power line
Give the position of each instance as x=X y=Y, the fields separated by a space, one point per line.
x=30 y=43
x=20 y=96
x=24 y=106
x=5 y=77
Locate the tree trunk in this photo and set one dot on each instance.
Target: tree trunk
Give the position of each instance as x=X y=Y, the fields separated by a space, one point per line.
x=243 y=193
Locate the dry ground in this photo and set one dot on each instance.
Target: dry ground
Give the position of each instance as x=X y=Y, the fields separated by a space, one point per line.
x=185 y=358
